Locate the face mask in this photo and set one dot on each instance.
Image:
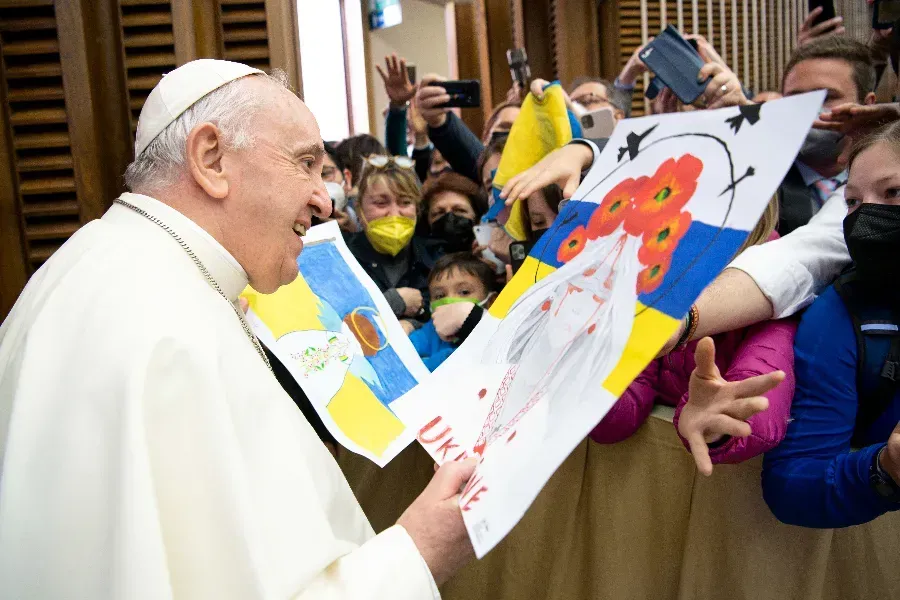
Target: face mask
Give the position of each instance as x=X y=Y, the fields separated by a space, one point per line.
x=336 y=193
x=445 y=301
x=390 y=235
x=872 y=233
x=457 y=232
x=537 y=233
x=821 y=147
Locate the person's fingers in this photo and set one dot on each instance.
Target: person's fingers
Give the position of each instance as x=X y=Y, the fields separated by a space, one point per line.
x=403 y=72
x=744 y=408
x=811 y=17
x=757 y=386
x=710 y=69
x=537 y=88
x=825 y=26
x=509 y=273
x=450 y=478
x=725 y=425
x=384 y=76
x=433 y=102
x=244 y=304
x=829 y=125
x=571 y=186
x=511 y=186
x=705 y=358
x=714 y=87
x=700 y=452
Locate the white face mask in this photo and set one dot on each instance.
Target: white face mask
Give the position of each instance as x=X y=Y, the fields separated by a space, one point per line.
x=336 y=192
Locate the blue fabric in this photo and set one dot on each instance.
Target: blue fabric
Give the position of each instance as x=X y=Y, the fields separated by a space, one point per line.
x=431 y=348
x=812 y=478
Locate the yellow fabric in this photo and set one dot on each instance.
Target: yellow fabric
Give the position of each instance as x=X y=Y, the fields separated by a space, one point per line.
x=541 y=127
x=355 y=409
x=635 y=520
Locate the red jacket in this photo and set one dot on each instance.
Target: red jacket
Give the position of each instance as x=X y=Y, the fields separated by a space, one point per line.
x=741 y=354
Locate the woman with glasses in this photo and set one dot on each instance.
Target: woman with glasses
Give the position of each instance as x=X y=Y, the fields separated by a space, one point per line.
x=387 y=248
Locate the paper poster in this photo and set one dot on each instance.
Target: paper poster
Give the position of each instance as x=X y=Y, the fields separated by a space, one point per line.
x=662 y=211
x=336 y=334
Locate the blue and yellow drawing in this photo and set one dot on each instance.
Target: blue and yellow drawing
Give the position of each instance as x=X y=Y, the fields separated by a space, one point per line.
x=327 y=296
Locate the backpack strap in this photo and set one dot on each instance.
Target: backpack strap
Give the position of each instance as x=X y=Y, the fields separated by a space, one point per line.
x=877 y=332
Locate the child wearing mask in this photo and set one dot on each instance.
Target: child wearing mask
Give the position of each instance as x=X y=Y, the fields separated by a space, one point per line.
x=461 y=287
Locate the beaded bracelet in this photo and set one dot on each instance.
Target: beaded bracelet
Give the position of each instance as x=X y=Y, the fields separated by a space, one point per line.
x=690 y=327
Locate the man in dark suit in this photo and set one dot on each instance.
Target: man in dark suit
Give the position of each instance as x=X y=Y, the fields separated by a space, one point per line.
x=844 y=69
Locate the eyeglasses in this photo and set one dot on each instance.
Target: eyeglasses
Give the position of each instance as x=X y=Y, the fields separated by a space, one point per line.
x=380 y=161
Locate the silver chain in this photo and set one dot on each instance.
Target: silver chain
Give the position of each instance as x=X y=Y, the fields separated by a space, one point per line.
x=209 y=278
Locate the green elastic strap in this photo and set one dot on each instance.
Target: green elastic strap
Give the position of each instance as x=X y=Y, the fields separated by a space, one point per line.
x=445 y=301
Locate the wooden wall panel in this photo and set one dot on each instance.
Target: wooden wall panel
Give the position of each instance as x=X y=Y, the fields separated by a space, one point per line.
x=574 y=34
x=472 y=59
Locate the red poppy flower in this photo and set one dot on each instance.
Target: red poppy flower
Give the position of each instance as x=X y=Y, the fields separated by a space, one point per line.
x=665 y=193
x=662 y=239
x=611 y=212
x=650 y=278
x=572 y=245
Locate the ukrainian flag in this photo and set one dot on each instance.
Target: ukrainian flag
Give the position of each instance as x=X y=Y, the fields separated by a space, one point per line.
x=543 y=126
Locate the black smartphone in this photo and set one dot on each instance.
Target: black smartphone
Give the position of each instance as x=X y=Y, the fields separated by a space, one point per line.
x=885 y=14
x=827 y=10
x=463 y=94
x=411 y=73
x=518 y=66
x=518 y=252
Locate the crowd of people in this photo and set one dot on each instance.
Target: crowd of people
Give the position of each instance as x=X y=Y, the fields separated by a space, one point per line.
x=147 y=451
x=793 y=352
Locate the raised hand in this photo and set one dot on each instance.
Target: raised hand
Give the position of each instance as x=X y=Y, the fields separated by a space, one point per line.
x=413 y=300
x=810 y=32
x=634 y=68
x=724 y=87
x=562 y=167
x=716 y=408
x=430 y=100
x=858 y=119
x=396 y=81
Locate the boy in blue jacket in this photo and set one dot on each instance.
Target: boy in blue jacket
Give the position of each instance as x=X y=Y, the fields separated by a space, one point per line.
x=461 y=287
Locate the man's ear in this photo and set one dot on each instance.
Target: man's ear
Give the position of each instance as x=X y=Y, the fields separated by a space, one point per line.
x=348 y=180
x=870 y=98
x=204 y=150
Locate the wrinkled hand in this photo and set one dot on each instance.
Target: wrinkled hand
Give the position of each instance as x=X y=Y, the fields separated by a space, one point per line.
x=396 y=81
x=435 y=524
x=408 y=327
x=562 y=167
x=634 y=68
x=449 y=318
x=809 y=32
x=890 y=458
x=717 y=96
x=430 y=100
x=413 y=300
x=716 y=407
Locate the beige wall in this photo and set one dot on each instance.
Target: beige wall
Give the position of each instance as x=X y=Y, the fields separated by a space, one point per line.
x=421 y=39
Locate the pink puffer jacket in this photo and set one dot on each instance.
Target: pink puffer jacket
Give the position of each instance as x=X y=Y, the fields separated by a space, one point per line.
x=741 y=354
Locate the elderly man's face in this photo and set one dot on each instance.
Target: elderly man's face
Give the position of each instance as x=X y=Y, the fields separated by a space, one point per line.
x=275 y=188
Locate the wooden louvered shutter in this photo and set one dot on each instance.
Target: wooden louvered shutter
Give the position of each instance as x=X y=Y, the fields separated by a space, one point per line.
x=149 y=42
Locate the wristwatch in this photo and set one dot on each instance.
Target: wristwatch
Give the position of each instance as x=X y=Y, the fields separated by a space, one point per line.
x=883 y=484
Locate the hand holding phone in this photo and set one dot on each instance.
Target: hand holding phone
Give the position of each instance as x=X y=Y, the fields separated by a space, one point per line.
x=463 y=94
x=676 y=63
x=821 y=21
x=886 y=13
x=598 y=124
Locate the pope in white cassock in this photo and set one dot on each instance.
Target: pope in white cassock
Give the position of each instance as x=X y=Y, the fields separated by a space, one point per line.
x=147 y=450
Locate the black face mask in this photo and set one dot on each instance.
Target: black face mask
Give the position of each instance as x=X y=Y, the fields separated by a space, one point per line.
x=872 y=233
x=456 y=232
x=537 y=233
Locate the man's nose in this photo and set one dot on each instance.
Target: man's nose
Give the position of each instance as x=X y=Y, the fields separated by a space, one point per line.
x=321 y=201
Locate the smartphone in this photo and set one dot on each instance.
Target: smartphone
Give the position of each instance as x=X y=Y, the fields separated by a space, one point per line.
x=598 y=124
x=827 y=10
x=676 y=63
x=518 y=252
x=463 y=94
x=518 y=66
x=885 y=14
x=411 y=73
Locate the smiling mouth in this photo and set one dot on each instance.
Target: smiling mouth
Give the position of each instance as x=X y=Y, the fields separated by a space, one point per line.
x=300 y=229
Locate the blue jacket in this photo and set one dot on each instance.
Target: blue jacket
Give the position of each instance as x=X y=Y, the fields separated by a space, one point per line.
x=812 y=478
x=432 y=349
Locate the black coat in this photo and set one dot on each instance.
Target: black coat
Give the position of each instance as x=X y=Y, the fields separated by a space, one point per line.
x=797 y=203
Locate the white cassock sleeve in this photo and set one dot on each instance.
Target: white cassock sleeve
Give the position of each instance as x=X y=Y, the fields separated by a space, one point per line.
x=793 y=270
x=249 y=510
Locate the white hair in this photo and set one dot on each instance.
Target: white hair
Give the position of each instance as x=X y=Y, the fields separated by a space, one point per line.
x=228 y=107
